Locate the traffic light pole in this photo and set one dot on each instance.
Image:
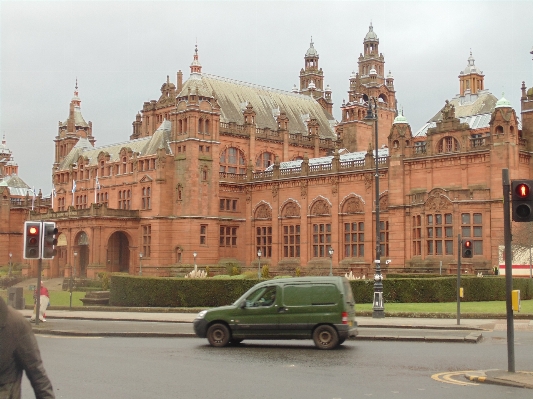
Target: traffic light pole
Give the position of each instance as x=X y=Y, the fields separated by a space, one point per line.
x=38 y=293
x=508 y=269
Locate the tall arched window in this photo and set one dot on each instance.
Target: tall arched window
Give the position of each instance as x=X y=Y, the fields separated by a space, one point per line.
x=124 y=165
x=264 y=160
x=232 y=161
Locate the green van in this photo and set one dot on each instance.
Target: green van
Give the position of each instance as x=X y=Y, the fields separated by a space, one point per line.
x=321 y=308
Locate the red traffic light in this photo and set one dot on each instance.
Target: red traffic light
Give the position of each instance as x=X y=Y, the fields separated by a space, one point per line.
x=33 y=230
x=468 y=244
x=522 y=190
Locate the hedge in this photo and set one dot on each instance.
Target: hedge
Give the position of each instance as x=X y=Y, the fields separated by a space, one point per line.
x=139 y=291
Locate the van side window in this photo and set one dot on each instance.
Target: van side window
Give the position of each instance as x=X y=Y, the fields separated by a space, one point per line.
x=306 y=295
x=265 y=296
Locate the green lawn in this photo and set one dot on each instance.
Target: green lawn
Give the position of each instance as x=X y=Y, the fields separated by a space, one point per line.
x=62 y=298
x=57 y=298
x=496 y=307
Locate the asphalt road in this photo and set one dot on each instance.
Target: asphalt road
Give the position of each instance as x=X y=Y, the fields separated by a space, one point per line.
x=112 y=367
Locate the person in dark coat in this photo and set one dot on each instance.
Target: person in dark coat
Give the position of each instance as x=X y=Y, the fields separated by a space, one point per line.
x=19 y=352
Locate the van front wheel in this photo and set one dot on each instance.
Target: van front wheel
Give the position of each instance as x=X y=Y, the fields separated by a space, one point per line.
x=218 y=335
x=325 y=337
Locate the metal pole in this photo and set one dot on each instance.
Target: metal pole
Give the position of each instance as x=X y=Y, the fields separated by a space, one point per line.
x=38 y=294
x=10 y=264
x=508 y=269
x=530 y=238
x=259 y=266
x=378 y=310
x=459 y=247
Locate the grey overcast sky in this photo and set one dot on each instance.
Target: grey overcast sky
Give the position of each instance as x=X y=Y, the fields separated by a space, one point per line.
x=122 y=51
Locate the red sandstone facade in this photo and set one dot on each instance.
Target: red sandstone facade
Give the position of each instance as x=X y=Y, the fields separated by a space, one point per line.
x=223 y=168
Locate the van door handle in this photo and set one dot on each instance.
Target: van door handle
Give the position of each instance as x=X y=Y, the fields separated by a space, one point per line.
x=283 y=309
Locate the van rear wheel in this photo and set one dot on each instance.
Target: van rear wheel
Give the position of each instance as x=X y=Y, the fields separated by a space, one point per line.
x=325 y=337
x=218 y=335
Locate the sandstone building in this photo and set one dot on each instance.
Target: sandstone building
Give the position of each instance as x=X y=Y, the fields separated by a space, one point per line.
x=216 y=169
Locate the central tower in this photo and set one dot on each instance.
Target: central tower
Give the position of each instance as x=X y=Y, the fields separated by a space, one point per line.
x=369 y=82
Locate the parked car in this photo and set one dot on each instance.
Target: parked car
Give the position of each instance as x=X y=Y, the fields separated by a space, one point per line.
x=318 y=308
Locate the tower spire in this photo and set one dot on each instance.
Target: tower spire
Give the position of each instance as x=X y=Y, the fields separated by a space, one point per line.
x=196 y=67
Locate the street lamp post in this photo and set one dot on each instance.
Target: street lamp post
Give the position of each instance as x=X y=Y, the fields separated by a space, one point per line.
x=195 y=267
x=378 y=310
x=140 y=264
x=259 y=263
x=10 y=264
x=330 y=261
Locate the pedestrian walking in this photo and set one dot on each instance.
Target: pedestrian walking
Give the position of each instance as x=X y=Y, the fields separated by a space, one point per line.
x=45 y=301
x=19 y=352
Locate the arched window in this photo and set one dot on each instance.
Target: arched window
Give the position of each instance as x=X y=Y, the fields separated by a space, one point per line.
x=448 y=144
x=232 y=161
x=124 y=165
x=264 y=160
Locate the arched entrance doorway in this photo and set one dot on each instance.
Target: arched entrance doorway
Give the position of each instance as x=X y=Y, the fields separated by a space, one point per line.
x=118 y=253
x=82 y=247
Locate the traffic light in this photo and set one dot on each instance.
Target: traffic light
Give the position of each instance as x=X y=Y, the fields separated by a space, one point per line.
x=467 y=250
x=32 y=240
x=49 y=240
x=522 y=200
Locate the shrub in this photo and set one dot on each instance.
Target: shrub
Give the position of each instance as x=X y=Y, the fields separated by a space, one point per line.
x=265 y=272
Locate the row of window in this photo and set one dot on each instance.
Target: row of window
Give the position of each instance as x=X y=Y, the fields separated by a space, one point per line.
x=107 y=170
x=124 y=200
x=436 y=233
x=321 y=239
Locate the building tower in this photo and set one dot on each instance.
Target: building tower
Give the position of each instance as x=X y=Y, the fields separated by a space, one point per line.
x=72 y=130
x=8 y=166
x=312 y=80
x=471 y=80
x=369 y=82
x=311 y=77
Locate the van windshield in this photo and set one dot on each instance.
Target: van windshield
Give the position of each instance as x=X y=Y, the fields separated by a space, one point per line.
x=348 y=292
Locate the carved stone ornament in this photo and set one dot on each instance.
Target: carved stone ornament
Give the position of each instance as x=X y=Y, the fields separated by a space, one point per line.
x=353 y=205
x=437 y=203
x=291 y=210
x=384 y=202
x=263 y=212
x=334 y=185
x=320 y=208
x=275 y=189
x=368 y=181
x=248 y=192
x=303 y=188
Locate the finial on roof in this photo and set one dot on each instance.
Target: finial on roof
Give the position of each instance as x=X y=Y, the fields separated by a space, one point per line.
x=76 y=87
x=503 y=102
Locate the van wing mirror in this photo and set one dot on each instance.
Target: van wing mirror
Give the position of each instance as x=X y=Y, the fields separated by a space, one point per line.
x=242 y=305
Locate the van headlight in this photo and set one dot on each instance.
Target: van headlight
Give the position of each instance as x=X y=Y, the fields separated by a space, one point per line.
x=202 y=314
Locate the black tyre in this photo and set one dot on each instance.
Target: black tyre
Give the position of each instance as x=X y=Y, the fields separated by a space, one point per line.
x=218 y=335
x=341 y=341
x=325 y=337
